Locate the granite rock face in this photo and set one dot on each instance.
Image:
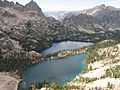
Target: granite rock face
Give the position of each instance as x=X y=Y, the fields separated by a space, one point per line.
x=108 y=16
x=7 y=44
x=28 y=26
x=98 y=19
x=20 y=25
x=34 y=8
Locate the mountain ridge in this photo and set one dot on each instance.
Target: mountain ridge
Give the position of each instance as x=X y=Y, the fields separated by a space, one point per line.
x=31 y=7
x=89 y=11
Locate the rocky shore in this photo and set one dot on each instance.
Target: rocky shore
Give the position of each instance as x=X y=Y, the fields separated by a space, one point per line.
x=7 y=82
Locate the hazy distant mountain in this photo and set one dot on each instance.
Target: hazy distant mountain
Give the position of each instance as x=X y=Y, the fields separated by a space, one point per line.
x=55 y=14
x=99 y=9
x=60 y=15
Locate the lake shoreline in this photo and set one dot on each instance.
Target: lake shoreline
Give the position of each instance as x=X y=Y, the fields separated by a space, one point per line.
x=40 y=58
x=61 y=54
x=65 y=40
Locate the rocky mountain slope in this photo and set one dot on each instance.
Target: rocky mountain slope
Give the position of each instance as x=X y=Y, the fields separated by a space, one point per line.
x=16 y=24
x=101 y=20
x=107 y=15
x=26 y=27
x=25 y=31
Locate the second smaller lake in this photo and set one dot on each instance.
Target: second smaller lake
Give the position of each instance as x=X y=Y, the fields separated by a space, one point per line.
x=65 y=45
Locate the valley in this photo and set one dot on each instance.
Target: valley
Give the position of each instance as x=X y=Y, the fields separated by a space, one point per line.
x=29 y=37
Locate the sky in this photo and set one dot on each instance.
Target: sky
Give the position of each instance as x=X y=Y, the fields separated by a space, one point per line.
x=70 y=5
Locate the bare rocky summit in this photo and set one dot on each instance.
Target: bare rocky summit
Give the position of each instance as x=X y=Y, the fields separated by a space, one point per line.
x=33 y=8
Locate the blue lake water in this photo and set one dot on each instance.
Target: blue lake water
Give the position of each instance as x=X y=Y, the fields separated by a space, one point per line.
x=64 y=46
x=60 y=70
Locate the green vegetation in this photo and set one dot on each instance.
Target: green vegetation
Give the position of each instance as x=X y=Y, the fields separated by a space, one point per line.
x=57 y=86
x=53 y=85
x=113 y=72
x=109 y=85
x=92 y=54
x=16 y=61
x=65 y=53
x=28 y=24
x=87 y=80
